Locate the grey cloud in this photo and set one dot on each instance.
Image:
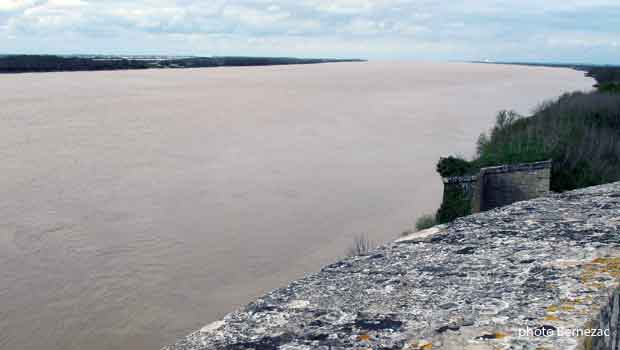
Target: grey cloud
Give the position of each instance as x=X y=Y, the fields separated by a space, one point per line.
x=466 y=29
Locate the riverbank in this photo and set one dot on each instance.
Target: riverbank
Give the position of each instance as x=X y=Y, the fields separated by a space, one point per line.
x=53 y=63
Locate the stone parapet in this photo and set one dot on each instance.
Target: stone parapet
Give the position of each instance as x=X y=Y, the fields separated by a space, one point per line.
x=501 y=185
x=533 y=275
x=510 y=168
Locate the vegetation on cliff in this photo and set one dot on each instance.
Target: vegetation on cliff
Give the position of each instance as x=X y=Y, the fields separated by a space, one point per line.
x=455 y=204
x=579 y=131
x=607 y=78
x=425 y=221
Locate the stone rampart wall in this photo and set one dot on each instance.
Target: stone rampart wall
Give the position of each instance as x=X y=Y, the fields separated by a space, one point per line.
x=494 y=187
x=504 y=185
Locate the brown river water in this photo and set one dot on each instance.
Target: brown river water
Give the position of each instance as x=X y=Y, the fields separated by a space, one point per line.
x=137 y=206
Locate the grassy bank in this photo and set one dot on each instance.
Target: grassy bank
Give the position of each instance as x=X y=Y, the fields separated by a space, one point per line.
x=579 y=131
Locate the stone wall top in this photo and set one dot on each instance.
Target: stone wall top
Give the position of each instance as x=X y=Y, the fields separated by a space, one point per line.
x=460 y=179
x=481 y=282
x=509 y=168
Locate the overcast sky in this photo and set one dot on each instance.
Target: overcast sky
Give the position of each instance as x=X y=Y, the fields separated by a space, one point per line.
x=532 y=30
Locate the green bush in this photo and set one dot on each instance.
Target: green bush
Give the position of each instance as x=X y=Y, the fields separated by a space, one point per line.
x=455 y=204
x=453 y=166
x=609 y=87
x=425 y=221
x=501 y=147
x=605 y=76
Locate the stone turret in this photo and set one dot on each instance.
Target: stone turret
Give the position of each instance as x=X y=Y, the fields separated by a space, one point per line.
x=497 y=186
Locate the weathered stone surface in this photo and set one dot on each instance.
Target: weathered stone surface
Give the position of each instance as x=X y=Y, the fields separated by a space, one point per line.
x=549 y=264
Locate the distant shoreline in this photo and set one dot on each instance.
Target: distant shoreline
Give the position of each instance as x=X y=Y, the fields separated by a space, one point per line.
x=607 y=76
x=578 y=66
x=15 y=64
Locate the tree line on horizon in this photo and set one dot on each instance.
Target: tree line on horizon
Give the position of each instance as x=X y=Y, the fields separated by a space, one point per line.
x=53 y=63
